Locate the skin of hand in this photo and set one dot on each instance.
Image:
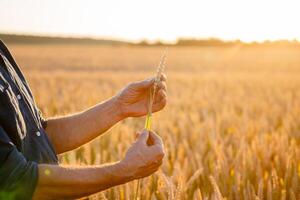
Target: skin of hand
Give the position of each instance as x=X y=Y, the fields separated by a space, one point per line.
x=82 y=127
x=67 y=182
x=133 y=99
x=143 y=158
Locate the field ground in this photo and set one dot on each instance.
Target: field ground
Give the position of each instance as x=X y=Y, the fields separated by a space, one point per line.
x=231 y=128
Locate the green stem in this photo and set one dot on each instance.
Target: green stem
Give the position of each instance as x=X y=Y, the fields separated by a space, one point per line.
x=148 y=122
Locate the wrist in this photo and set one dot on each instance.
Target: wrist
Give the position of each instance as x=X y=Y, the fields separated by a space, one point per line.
x=123 y=171
x=120 y=111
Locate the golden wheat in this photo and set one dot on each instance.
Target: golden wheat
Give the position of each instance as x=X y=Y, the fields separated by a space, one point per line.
x=233 y=114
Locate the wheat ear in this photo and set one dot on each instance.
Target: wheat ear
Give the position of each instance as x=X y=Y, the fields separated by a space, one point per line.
x=152 y=92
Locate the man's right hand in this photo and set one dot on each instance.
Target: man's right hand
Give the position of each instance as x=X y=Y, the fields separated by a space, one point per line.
x=62 y=182
x=142 y=159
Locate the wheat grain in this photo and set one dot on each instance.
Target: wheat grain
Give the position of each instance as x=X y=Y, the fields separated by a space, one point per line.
x=241 y=105
x=152 y=91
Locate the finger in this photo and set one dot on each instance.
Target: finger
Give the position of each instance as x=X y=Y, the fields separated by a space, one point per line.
x=158 y=162
x=143 y=137
x=144 y=84
x=159 y=104
x=151 y=164
x=153 y=169
x=157 y=151
x=148 y=171
x=158 y=154
x=155 y=138
x=161 y=94
x=151 y=139
x=162 y=86
x=163 y=77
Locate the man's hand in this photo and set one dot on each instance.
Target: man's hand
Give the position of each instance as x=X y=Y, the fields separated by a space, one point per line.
x=82 y=127
x=133 y=99
x=70 y=182
x=142 y=159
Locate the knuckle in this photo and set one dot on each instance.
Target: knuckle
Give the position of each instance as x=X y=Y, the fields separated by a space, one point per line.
x=160 y=154
x=161 y=93
x=164 y=102
x=133 y=84
x=155 y=169
x=160 y=140
x=159 y=164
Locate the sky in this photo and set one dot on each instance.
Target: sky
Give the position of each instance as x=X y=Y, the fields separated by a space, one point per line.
x=167 y=20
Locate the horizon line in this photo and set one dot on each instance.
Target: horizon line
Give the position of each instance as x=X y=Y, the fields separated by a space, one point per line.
x=119 y=39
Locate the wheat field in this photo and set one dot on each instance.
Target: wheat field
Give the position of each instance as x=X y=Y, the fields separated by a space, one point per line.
x=231 y=127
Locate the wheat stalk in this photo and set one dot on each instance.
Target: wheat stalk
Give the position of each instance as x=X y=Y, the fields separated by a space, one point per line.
x=152 y=92
x=215 y=188
x=148 y=122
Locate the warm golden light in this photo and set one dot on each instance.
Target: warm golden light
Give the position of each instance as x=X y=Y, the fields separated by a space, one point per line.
x=152 y=20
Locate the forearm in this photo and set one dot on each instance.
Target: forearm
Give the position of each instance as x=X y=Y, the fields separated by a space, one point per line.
x=58 y=182
x=81 y=128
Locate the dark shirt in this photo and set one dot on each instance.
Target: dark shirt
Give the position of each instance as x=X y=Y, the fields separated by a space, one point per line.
x=23 y=140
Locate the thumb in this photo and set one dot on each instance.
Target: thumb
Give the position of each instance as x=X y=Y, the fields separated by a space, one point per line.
x=144 y=84
x=143 y=137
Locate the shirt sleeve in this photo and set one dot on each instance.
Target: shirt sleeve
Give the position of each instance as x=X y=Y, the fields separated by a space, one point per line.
x=18 y=176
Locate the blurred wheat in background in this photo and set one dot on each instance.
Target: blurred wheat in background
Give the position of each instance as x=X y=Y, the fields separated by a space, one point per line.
x=231 y=127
